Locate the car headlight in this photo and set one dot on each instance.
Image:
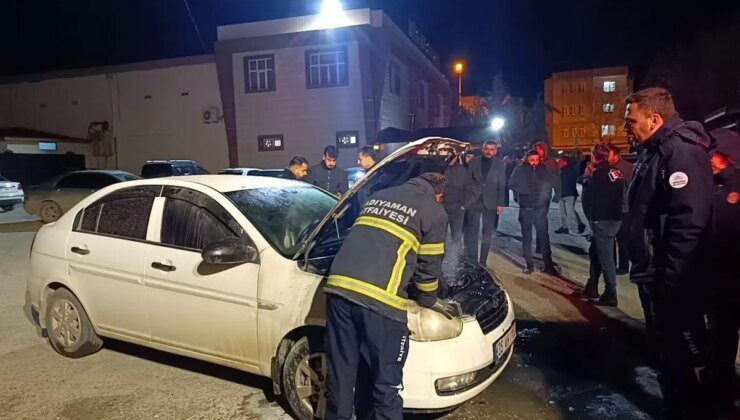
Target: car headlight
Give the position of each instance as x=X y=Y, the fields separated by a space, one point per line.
x=428 y=325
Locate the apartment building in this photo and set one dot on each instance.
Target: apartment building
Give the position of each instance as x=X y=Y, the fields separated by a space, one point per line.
x=587 y=107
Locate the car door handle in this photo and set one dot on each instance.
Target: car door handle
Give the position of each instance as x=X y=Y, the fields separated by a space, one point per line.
x=81 y=251
x=163 y=267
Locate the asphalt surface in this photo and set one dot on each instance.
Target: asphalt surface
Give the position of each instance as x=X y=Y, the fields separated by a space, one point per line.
x=571 y=360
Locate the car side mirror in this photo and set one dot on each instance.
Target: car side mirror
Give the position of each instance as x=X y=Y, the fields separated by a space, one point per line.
x=230 y=251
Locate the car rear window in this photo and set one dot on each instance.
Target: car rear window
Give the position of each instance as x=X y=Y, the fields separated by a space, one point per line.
x=157 y=170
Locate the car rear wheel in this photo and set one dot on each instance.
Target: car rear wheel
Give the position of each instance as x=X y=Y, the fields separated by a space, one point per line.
x=8 y=208
x=50 y=212
x=304 y=378
x=69 y=329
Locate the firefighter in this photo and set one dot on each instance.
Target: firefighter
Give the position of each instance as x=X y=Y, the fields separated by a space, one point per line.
x=397 y=243
x=670 y=201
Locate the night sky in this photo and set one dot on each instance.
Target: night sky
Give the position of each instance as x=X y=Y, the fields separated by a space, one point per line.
x=526 y=39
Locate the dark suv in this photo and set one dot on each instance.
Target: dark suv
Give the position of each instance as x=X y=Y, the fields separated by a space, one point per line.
x=165 y=168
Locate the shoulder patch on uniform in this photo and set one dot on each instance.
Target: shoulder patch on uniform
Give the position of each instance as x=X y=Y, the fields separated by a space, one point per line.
x=733 y=197
x=615 y=175
x=678 y=180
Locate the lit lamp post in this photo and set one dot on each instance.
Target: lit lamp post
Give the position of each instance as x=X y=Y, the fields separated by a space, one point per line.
x=496 y=125
x=458 y=68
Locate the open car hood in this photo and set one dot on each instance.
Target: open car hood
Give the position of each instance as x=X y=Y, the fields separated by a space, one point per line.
x=431 y=154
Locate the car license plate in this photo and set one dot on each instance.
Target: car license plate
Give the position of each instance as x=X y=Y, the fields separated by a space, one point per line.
x=4 y=189
x=503 y=344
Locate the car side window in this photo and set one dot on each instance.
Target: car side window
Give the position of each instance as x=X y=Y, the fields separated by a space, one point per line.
x=98 y=181
x=71 y=181
x=193 y=220
x=198 y=170
x=123 y=213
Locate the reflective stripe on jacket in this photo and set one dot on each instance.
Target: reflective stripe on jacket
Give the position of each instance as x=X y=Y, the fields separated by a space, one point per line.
x=398 y=239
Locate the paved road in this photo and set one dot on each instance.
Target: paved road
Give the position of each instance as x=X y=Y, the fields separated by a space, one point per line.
x=572 y=360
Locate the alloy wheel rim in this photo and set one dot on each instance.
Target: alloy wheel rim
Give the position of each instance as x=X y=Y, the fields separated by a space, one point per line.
x=310 y=383
x=65 y=323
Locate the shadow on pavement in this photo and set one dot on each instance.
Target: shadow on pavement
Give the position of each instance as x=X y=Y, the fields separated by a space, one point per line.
x=31 y=226
x=197 y=366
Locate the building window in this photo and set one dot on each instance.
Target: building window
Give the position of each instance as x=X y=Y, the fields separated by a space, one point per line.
x=580 y=109
x=581 y=131
x=610 y=86
x=422 y=98
x=348 y=139
x=564 y=88
x=608 y=107
x=259 y=73
x=608 y=130
x=565 y=109
x=394 y=78
x=270 y=142
x=326 y=68
x=566 y=132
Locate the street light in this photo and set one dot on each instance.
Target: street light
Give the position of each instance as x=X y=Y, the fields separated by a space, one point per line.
x=459 y=67
x=497 y=123
x=331 y=15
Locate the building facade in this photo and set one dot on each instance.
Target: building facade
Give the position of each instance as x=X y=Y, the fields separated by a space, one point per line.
x=587 y=107
x=271 y=90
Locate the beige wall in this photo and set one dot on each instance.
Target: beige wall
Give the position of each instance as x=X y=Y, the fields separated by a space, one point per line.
x=308 y=119
x=167 y=125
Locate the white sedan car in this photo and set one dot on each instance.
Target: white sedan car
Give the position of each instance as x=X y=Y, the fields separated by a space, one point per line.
x=11 y=193
x=230 y=270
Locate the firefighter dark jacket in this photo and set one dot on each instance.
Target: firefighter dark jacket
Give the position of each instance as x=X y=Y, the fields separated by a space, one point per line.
x=396 y=243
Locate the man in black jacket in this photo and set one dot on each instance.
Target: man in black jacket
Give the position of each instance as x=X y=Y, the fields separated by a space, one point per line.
x=489 y=176
x=533 y=183
x=627 y=170
x=396 y=244
x=723 y=256
x=327 y=174
x=297 y=169
x=602 y=203
x=670 y=201
x=568 y=195
x=461 y=192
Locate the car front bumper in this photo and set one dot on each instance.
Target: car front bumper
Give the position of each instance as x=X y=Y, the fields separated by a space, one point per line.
x=472 y=351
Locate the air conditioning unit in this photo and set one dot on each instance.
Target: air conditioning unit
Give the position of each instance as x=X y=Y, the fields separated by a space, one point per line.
x=211 y=115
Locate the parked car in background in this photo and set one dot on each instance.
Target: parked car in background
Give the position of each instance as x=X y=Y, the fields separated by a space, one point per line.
x=239 y=171
x=230 y=270
x=354 y=174
x=51 y=200
x=11 y=193
x=175 y=167
x=273 y=173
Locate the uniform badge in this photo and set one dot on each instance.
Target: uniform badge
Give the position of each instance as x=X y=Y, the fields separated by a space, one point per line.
x=615 y=175
x=678 y=180
x=733 y=197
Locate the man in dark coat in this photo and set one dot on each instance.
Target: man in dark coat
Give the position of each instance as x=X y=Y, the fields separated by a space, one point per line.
x=626 y=169
x=297 y=169
x=533 y=183
x=670 y=202
x=568 y=195
x=327 y=174
x=489 y=173
x=462 y=191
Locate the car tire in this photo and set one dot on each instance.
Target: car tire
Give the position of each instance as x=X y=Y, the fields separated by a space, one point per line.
x=304 y=378
x=68 y=327
x=50 y=212
x=8 y=208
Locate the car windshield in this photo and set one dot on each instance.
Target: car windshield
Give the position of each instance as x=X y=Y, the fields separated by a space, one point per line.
x=157 y=170
x=2 y=178
x=284 y=216
x=125 y=176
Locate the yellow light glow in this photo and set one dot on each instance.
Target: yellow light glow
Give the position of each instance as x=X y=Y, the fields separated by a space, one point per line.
x=459 y=67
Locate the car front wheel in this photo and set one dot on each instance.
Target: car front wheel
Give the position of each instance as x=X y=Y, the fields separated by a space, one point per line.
x=304 y=378
x=50 y=212
x=69 y=328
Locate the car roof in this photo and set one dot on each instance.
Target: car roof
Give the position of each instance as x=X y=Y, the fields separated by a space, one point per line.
x=222 y=183
x=99 y=171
